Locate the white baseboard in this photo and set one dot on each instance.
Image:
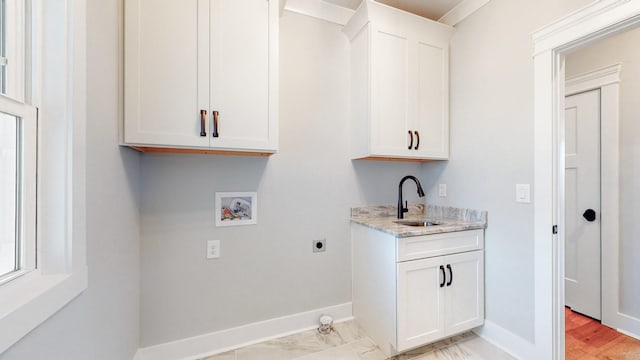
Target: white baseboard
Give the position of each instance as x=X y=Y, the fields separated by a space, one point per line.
x=627 y=325
x=220 y=341
x=507 y=341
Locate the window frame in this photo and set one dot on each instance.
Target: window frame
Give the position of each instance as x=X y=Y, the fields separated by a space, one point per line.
x=26 y=202
x=15 y=46
x=56 y=85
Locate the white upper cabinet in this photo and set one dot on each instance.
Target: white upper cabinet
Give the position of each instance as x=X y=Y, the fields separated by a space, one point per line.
x=400 y=84
x=201 y=75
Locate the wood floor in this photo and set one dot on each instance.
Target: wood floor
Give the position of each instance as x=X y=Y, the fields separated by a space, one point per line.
x=587 y=339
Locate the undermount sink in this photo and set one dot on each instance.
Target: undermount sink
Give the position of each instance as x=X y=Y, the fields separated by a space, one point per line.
x=418 y=222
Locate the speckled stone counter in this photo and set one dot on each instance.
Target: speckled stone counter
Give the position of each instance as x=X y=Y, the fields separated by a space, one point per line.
x=452 y=219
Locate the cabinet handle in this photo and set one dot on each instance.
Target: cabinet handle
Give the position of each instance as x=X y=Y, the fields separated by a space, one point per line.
x=418 y=140
x=444 y=276
x=450 y=274
x=203 y=119
x=411 y=136
x=214 y=132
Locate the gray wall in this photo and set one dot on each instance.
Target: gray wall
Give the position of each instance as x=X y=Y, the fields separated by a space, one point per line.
x=304 y=193
x=103 y=322
x=622 y=49
x=492 y=145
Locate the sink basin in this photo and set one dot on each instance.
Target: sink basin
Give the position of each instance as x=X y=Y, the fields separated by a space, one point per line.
x=418 y=222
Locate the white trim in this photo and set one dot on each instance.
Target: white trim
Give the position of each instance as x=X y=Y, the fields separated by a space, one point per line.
x=633 y=320
x=506 y=340
x=15 y=46
x=592 y=80
x=578 y=28
x=462 y=11
x=610 y=204
x=321 y=10
x=225 y=340
x=26 y=302
x=594 y=21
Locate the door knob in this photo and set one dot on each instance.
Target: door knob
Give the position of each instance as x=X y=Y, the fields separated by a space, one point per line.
x=589 y=215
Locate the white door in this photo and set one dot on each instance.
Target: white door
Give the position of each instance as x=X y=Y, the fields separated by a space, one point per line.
x=464 y=294
x=582 y=203
x=421 y=285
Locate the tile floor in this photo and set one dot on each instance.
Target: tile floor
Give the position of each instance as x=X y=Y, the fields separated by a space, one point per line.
x=348 y=342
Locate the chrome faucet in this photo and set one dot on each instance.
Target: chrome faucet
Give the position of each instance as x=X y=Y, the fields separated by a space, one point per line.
x=403 y=209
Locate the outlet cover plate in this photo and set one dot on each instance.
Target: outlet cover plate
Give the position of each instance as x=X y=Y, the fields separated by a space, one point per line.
x=442 y=190
x=213 y=249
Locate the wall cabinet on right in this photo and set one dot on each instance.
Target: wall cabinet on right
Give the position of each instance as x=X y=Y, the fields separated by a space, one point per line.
x=399 y=85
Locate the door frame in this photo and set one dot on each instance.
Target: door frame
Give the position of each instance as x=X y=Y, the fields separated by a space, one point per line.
x=593 y=22
x=607 y=80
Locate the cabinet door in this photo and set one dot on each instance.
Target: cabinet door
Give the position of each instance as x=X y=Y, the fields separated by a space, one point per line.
x=240 y=66
x=431 y=121
x=464 y=302
x=390 y=52
x=164 y=91
x=420 y=302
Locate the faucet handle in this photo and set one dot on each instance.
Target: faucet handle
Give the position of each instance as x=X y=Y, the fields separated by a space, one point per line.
x=406 y=207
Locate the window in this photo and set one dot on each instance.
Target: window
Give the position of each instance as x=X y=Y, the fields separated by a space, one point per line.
x=17 y=151
x=47 y=58
x=8 y=193
x=17 y=188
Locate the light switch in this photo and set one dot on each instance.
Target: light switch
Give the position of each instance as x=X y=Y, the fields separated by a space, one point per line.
x=213 y=249
x=442 y=190
x=523 y=193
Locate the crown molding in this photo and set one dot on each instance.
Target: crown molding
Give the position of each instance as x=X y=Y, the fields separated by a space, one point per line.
x=462 y=11
x=321 y=10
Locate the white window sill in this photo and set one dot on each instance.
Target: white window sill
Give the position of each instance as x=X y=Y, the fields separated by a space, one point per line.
x=29 y=300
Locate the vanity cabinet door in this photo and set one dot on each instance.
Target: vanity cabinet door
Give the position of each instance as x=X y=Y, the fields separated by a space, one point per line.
x=464 y=303
x=420 y=309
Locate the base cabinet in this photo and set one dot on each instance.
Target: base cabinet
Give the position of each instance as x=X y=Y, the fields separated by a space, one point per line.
x=418 y=301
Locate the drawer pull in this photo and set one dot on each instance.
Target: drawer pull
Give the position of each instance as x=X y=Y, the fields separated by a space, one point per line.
x=411 y=142
x=203 y=119
x=417 y=140
x=214 y=132
x=450 y=275
x=444 y=276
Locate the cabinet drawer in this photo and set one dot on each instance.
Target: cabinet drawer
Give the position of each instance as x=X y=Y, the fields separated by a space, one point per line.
x=418 y=247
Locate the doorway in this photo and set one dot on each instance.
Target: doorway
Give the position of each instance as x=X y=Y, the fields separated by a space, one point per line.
x=551 y=44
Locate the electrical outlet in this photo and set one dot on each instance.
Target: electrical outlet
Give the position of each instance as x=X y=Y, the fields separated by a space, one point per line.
x=442 y=190
x=213 y=249
x=319 y=245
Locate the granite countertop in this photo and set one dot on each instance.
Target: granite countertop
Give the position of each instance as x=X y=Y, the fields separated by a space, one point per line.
x=453 y=219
